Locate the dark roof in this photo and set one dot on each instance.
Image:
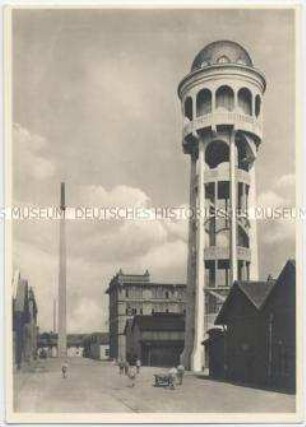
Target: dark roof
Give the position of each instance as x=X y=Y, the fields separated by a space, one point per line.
x=256 y=291
x=285 y=278
x=213 y=54
x=160 y=322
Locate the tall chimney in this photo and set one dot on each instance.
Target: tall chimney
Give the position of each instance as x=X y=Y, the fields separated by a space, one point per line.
x=62 y=322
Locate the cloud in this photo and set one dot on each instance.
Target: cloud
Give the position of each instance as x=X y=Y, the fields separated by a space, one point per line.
x=281 y=197
x=287 y=181
x=119 y=196
x=270 y=199
x=30 y=160
x=95 y=252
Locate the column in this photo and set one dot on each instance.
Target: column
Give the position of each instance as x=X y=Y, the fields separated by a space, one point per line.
x=194 y=106
x=219 y=276
x=253 y=225
x=235 y=100
x=197 y=356
x=253 y=105
x=233 y=206
x=243 y=198
x=62 y=337
x=191 y=265
x=213 y=101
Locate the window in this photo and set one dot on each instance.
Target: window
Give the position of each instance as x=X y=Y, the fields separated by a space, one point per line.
x=243 y=238
x=240 y=267
x=216 y=152
x=225 y=98
x=141 y=311
x=204 y=102
x=223 y=59
x=167 y=294
x=188 y=108
x=126 y=293
x=245 y=101
x=210 y=273
x=257 y=105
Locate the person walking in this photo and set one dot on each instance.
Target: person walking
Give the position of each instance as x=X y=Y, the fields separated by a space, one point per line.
x=121 y=366
x=132 y=376
x=138 y=365
x=172 y=374
x=126 y=367
x=65 y=369
x=180 y=374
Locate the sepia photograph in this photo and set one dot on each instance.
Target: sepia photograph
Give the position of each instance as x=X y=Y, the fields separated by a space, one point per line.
x=153 y=214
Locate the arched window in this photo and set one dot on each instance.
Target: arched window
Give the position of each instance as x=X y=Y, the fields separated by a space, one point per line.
x=257 y=105
x=243 y=238
x=188 y=108
x=216 y=152
x=203 y=102
x=223 y=60
x=225 y=98
x=245 y=155
x=245 y=101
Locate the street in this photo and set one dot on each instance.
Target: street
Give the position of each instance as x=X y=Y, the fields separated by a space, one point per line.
x=95 y=386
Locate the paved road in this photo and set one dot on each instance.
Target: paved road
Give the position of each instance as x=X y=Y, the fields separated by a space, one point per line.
x=94 y=386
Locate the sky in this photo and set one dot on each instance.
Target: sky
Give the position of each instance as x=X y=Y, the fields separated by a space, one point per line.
x=95 y=105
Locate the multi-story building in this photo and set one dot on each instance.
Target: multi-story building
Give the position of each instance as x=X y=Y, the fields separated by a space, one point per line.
x=156 y=339
x=132 y=294
x=222 y=109
x=25 y=327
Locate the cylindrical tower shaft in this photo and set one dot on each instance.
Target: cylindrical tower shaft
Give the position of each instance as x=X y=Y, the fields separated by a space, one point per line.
x=62 y=321
x=197 y=356
x=221 y=99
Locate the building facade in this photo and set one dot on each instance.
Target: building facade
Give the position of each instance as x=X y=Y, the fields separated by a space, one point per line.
x=259 y=342
x=155 y=339
x=132 y=294
x=96 y=346
x=48 y=342
x=25 y=329
x=222 y=109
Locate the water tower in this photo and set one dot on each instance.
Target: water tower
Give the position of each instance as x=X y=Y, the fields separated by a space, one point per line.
x=222 y=110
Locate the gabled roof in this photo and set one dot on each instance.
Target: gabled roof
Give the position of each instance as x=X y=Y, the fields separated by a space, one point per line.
x=255 y=292
x=258 y=293
x=286 y=277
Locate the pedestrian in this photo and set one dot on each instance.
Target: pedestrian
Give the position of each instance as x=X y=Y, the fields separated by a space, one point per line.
x=65 y=369
x=172 y=375
x=138 y=364
x=121 y=366
x=180 y=374
x=132 y=376
x=126 y=367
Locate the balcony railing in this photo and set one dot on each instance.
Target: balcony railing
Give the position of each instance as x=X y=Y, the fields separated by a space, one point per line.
x=217 y=252
x=238 y=120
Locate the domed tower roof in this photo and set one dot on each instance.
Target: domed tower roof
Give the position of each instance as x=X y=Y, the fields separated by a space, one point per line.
x=221 y=52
